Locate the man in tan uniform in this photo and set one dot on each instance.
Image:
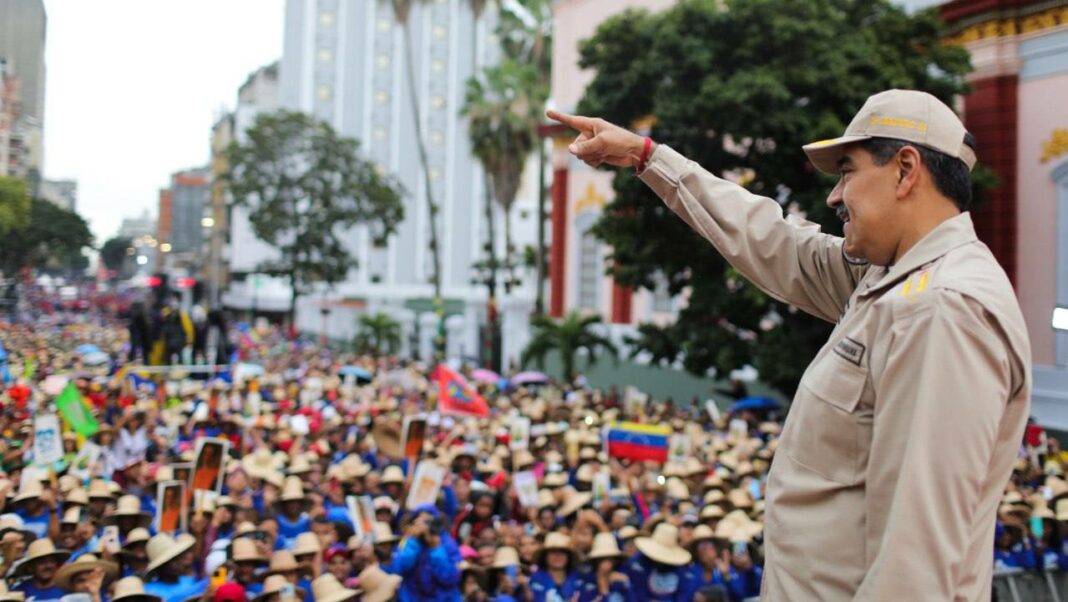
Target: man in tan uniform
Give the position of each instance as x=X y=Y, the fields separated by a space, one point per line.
x=904 y=429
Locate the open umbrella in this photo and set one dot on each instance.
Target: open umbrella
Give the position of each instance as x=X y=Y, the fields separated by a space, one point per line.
x=87 y=349
x=756 y=404
x=484 y=375
x=357 y=372
x=97 y=358
x=528 y=377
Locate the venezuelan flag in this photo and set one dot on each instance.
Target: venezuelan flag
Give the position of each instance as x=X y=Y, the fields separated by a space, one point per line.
x=638 y=441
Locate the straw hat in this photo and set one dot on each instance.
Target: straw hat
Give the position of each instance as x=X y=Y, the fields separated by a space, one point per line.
x=299 y=465
x=738 y=527
x=523 y=459
x=30 y=489
x=712 y=511
x=282 y=561
x=628 y=532
x=584 y=474
x=382 y=533
x=98 y=490
x=1043 y=511
x=261 y=463
x=9 y=596
x=703 y=533
x=132 y=589
x=76 y=497
x=136 y=536
x=663 y=546
x=677 y=489
x=555 y=541
x=505 y=557
x=714 y=496
x=293 y=490
x=326 y=588
x=43 y=548
x=81 y=564
x=1062 y=509
x=392 y=475
x=545 y=499
x=307 y=543
x=740 y=498
x=554 y=480
x=276 y=584
x=245 y=550
x=1058 y=488
x=378 y=585
x=129 y=506
x=573 y=502
x=605 y=546
x=163 y=548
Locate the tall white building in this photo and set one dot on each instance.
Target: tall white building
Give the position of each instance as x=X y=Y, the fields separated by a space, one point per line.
x=344 y=62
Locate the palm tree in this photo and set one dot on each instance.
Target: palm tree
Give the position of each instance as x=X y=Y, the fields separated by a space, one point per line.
x=566 y=336
x=402 y=10
x=497 y=106
x=378 y=333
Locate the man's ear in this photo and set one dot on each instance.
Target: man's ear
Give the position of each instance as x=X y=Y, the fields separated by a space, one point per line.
x=909 y=166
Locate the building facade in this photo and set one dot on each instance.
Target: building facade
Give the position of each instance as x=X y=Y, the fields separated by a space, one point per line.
x=22 y=50
x=579 y=193
x=345 y=62
x=62 y=193
x=1018 y=112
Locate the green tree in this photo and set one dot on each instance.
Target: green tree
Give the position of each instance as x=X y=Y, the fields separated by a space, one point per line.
x=53 y=240
x=566 y=336
x=738 y=86
x=377 y=334
x=305 y=187
x=14 y=205
x=113 y=253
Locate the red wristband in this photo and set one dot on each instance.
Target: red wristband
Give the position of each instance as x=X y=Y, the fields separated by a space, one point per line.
x=645 y=154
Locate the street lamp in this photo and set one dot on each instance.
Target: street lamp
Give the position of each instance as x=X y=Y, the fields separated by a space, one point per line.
x=1060 y=319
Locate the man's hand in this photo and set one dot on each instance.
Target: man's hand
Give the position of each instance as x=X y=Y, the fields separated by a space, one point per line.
x=601 y=142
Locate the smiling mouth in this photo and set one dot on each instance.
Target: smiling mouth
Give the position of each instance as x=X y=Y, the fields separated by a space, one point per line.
x=843 y=213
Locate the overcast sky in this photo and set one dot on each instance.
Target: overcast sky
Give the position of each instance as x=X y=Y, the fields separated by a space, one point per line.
x=134 y=86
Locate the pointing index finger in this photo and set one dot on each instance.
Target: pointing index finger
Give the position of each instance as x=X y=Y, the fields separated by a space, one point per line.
x=575 y=122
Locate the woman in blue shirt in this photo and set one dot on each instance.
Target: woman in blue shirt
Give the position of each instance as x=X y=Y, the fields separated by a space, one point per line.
x=556 y=579
x=40 y=563
x=606 y=584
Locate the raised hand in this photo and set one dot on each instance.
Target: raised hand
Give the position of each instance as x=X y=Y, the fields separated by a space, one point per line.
x=601 y=142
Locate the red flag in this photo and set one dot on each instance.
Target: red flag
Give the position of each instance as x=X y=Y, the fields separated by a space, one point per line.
x=455 y=396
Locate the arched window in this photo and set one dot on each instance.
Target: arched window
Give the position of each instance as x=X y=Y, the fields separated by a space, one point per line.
x=1060 y=180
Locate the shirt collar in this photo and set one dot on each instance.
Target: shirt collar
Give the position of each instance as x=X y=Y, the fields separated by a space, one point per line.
x=950 y=234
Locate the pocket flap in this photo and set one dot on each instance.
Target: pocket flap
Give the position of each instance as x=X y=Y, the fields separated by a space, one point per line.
x=837 y=382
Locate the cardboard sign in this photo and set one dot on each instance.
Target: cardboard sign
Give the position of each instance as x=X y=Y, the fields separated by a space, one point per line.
x=360 y=521
x=713 y=410
x=84 y=466
x=367 y=513
x=739 y=430
x=634 y=402
x=425 y=485
x=526 y=488
x=678 y=448
x=602 y=485
x=413 y=434
x=520 y=433
x=171 y=508
x=207 y=468
x=47 y=440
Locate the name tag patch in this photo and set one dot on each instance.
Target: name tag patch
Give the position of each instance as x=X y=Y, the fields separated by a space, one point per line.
x=851 y=350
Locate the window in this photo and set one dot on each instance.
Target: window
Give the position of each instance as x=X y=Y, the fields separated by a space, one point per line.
x=325 y=92
x=663 y=302
x=326 y=55
x=326 y=19
x=1060 y=179
x=590 y=270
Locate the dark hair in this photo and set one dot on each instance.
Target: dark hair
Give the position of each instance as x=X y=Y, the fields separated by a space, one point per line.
x=951 y=175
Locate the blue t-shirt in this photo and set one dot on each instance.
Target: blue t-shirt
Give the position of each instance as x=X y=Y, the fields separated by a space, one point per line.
x=545 y=589
x=37 y=524
x=289 y=530
x=36 y=594
x=176 y=592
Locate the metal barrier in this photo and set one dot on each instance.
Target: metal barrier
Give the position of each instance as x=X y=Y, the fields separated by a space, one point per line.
x=1018 y=585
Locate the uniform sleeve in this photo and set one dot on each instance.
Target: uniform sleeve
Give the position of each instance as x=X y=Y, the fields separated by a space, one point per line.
x=788 y=258
x=940 y=399
x=404 y=560
x=445 y=572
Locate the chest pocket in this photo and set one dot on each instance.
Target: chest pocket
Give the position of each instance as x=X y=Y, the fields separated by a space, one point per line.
x=830 y=432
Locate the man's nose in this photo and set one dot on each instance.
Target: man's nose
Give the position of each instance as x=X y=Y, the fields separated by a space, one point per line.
x=835 y=197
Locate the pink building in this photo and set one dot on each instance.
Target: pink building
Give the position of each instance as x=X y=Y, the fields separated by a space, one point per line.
x=1018 y=112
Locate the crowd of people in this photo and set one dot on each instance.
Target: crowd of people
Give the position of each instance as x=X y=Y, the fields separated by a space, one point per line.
x=308 y=432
